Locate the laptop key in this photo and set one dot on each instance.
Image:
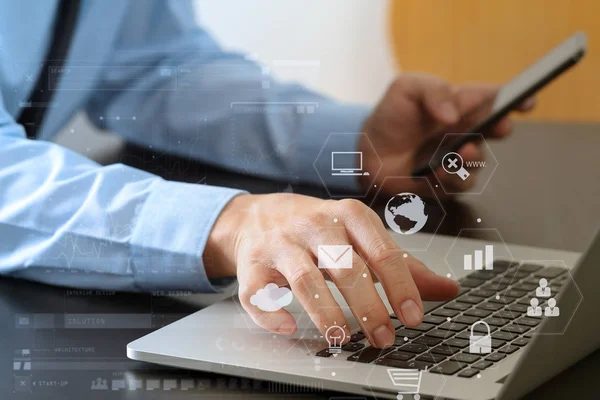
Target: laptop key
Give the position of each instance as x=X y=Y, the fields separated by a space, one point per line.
x=396 y=323
x=483 y=328
x=453 y=326
x=353 y=347
x=465 y=335
x=431 y=358
x=456 y=305
x=514 y=328
x=400 y=355
x=550 y=272
x=483 y=293
x=528 y=321
x=483 y=364
x=495 y=321
x=357 y=337
x=469 y=299
x=468 y=373
x=433 y=319
x=508 y=349
x=445 y=312
x=525 y=300
x=530 y=267
x=409 y=333
x=528 y=287
x=503 y=265
x=503 y=335
x=465 y=358
x=502 y=299
x=390 y=362
x=423 y=327
x=521 y=342
x=495 y=357
x=505 y=314
x=420 y=365
x=369 y=354
x=496 y=287
x=447 y=368
x=324 y=353
x=414 y=348
x=489 y=306
x=427 y=341
x=465 y=319
x=456 y=342
x=477 y=312
x=445 y=350
x=440 y=333
x=485 y=275
x=517 y=308
x=400 y=341
x=470 y=282
x=515 y=293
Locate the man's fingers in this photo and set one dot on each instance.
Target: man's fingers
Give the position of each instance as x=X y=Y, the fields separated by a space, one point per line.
x=502 y=128
x=450 y=182
x=253 y=297
x=358 y=289
x=309 y=287
x=527 y=105
x=432 y=286
x=367 y=232
x=470 y=96
x=434 y=93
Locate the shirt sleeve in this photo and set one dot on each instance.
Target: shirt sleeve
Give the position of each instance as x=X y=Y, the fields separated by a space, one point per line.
x=68 y=221
x=194 y=99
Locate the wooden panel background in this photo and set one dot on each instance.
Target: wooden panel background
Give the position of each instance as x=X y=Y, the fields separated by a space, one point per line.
x=492 y=40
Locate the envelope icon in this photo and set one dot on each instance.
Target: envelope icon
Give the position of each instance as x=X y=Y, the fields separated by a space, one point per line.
x=335 y=256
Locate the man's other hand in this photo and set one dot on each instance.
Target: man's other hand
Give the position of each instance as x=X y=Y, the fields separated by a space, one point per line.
x=417 y=108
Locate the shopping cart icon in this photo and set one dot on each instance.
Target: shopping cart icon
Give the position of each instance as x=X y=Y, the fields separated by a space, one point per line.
x=408 y=381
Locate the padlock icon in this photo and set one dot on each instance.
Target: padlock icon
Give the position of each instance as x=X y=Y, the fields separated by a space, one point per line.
x=480 y=344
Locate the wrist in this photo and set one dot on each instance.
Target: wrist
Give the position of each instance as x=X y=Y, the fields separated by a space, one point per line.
x=221 y=247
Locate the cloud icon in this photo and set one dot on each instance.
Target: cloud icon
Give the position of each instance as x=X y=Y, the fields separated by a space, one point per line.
x=272 y=298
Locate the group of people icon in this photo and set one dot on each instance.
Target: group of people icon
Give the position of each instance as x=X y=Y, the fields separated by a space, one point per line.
x=99 y=384
x=543 y=291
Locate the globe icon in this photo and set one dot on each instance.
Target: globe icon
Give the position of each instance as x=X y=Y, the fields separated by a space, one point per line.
x=405 y=213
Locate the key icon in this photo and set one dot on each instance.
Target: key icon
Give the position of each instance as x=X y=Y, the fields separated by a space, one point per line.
x=452 y=163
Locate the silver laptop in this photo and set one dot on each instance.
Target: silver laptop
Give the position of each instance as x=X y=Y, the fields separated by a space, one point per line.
x=452 y=354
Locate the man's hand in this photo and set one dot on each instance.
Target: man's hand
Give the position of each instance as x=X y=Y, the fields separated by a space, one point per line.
x=415 y=109
x=274 y=239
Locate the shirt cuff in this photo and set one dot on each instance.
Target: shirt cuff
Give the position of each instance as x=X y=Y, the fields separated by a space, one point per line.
x=170 y=235
x=332 y=127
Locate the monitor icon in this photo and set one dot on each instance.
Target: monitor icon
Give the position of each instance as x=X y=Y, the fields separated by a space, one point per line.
x=347 y=163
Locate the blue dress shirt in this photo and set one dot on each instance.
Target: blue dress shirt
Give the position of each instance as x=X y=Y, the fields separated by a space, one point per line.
x=145 y=70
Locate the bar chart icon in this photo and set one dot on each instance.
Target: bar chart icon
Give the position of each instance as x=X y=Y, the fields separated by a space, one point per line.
x=407 y=381
x=480 y=259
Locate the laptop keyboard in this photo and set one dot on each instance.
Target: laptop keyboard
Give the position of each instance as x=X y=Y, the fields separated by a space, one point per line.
x=440 y=343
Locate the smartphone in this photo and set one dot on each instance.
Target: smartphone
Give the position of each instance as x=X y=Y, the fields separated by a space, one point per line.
x=510 y=95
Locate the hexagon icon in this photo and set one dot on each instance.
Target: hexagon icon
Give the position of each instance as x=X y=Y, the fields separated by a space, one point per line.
x=341 y=165
x=408 y=382
x=306 y=341
x=405 y=213
x=453 y=165
x=484 y=260
x=554 y=291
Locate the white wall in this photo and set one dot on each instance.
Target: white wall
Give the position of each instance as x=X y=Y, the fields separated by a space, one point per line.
x=348 y=37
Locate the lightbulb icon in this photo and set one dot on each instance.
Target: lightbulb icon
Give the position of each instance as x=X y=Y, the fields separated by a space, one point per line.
x=335 y=336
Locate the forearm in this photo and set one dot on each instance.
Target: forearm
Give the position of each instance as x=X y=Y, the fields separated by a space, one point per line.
x=67 y=221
